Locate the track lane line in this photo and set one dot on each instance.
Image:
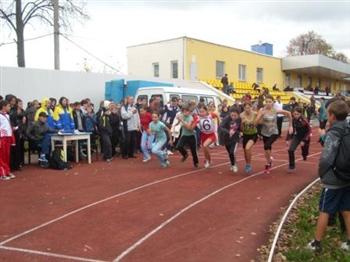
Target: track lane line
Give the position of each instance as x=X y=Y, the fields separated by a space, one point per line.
x=168 y=221
x=49 y=254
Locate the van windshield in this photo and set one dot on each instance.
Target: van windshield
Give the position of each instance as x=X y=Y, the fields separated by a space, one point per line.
x=189 y=98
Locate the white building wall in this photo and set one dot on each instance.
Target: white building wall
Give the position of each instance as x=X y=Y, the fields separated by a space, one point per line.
x=142 y=57
x=30 y=84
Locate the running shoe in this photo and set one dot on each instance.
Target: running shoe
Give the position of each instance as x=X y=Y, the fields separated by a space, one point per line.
x=291 y=170
x=146 y=159
x=314 y=246
x=11 y=176
x=267 y=169
x=345 y=245
x=170 y=153
x=234 y=168
x=5 y=178
x=248 y=168
x=206 y=164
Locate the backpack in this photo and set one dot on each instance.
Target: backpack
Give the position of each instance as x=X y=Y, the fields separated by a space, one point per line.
x=341 y=167
x=56 y=161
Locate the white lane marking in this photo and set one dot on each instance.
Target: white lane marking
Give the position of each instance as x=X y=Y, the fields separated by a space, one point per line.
x=49 y=254
x=112 y=197
x=272 y=250
x=154 y=231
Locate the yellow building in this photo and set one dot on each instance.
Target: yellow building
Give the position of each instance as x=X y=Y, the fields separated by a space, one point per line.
x=192 y=59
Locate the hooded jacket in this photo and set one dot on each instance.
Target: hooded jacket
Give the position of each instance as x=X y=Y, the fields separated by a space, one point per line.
x=329 y=154
x=49 y=113
x=63 y=118
x=132 y=119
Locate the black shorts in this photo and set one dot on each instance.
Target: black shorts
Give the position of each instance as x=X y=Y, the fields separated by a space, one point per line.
x=246 y=139
x=335 y=200
x=323 y=124
x=268 y=141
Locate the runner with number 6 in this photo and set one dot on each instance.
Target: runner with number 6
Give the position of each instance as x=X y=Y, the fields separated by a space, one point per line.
x=207 y=126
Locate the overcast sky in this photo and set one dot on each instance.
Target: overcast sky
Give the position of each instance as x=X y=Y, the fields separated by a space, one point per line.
x=114 y=25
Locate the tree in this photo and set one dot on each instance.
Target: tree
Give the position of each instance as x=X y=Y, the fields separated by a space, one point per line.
x=19 y=13
x=312 y=43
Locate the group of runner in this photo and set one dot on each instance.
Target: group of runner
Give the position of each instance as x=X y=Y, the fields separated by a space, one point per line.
x=236 y=126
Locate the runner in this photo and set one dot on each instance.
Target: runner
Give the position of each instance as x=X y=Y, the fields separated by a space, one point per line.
x=207 y=128
x=159 y=144
x=250 y=134
x=267 y=117
x=229 y=129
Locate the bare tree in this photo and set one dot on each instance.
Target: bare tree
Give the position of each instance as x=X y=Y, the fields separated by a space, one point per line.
x=19 y=13
x=309 y=44
x=312 y=43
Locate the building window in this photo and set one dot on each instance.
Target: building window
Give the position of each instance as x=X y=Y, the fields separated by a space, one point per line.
x=260 y=75
x=174 y=69
x=220 y=69
x=242 y=76
x=155 y=69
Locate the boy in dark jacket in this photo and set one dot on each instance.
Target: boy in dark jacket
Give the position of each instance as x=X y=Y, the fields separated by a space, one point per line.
x=301 y=135
x=335 y=196
x=105 y=130
x=39 y=134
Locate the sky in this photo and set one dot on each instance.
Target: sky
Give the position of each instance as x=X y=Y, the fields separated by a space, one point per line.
x=115 y=24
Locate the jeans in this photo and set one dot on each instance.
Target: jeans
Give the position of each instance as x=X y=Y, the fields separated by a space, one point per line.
x=45 y=144
x=146 y=144
x=293 y=146
x=159 y=149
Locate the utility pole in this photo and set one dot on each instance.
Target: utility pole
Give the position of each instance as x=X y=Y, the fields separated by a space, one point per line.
x=56 y=32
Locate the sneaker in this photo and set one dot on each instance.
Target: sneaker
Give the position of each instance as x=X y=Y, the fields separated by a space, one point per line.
x=313 y=246
x=170 y=153
x=267 y=169
x=11 y=176
x=248 y=169
x=5 y=178
x=146 y=160
x=291 y=170
x=206 y=164
x=345 y=245
x=42 y=158
x=234 y=168
x=109 y=160
x=183 y=159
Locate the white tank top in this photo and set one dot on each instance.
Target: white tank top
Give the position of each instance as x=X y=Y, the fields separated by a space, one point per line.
x=207 y=125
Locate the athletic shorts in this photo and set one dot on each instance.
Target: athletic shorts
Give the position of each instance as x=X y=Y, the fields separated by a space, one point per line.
x=246 y=139
x=205 y=137
x=335 y=200
x=323 y=124
x=268 y=141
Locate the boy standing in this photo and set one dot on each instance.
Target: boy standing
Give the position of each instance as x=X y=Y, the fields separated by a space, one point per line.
x=334 y=174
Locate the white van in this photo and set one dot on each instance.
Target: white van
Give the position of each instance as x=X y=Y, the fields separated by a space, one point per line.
x=183 y=93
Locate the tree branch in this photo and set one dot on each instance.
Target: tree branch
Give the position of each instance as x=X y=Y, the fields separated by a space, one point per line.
x=7 y=18
x=34 y=10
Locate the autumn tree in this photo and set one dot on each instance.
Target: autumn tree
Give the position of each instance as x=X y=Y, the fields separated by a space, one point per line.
x=17 y=14
x=312 y=43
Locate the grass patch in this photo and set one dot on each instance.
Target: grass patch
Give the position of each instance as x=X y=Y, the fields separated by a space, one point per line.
x=299 y=231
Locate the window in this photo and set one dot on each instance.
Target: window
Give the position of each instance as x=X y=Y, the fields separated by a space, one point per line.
x=242 y=72
x=174 y=95
x=207 y=99
x=189 y=98
x=220 y=69
x=174 y=69
x=155 y=69
x=143 y=97
x=260 y=75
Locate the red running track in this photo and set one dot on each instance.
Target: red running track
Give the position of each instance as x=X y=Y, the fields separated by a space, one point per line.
x=131 y=211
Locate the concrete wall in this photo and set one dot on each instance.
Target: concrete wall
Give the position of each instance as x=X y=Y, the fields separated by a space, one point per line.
x=30 y=84
x=142 y=57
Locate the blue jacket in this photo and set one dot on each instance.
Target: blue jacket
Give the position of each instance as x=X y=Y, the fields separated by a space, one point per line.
x=63 y=118
x=90 y=123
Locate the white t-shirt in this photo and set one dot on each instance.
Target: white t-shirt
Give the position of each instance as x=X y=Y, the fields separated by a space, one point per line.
x=5 y=125
x=278 y=107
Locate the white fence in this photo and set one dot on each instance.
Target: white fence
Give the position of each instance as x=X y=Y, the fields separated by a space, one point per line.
x=29 y=84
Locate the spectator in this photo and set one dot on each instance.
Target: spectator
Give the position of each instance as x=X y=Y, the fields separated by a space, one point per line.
x=316 y=90
x=328 y=90
x=292 y=103
x=170 y=111
x=105 y=131
x=130 y=114
x=78 y=117
x=45 y=107
x=63 y=116
x=39 y=134
x=6 y=140
x=30 y=111
x=278 y=106
x=53 y=103
x=225 y=82
x=115 y=125
x=90 y=125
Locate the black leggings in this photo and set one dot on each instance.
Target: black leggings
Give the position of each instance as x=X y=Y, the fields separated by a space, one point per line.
x=268 y=141
x=231 y=152
x=191 y=142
